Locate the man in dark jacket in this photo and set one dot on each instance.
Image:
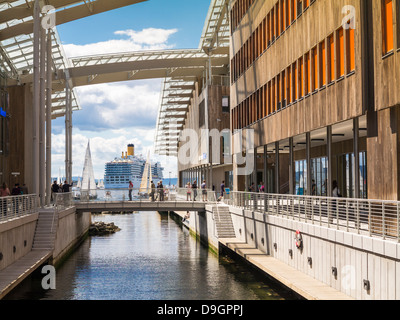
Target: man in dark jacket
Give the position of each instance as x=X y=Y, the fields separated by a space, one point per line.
x=66 y=187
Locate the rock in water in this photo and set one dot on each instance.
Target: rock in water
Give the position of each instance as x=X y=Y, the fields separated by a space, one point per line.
x=100 y=228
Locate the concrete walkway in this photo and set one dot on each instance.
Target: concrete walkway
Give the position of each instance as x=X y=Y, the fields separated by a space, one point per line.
x=302 y=284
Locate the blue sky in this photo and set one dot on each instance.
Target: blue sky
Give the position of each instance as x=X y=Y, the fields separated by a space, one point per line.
x=114 y=115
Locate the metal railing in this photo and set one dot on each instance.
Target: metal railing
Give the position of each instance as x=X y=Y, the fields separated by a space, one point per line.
x=17 y=206
x=369 y=217
x=63 y=200
x=165 y=194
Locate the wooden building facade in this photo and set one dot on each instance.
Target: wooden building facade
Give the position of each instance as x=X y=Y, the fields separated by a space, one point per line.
x=318 y=84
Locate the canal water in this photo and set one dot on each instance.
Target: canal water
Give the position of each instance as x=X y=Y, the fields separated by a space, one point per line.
x=152 y=258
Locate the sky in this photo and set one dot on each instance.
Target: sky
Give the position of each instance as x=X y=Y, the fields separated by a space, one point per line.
x=116 y=114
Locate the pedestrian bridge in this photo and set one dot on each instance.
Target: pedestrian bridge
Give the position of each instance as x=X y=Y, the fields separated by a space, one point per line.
x=126 y=206
x=122 y=201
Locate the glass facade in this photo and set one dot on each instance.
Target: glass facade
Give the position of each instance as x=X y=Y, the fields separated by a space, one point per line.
x=344 y=172
x=346 y=176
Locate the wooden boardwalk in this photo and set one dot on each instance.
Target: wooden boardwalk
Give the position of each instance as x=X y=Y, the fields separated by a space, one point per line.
x=15 y=273
x=302 y=284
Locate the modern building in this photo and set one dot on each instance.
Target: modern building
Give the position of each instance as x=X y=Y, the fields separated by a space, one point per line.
x=317 y=83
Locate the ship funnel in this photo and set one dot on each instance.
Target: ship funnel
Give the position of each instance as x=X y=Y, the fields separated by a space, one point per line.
x=131 y=150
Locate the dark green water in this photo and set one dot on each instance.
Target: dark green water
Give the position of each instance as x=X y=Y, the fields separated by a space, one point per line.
x=151 y=258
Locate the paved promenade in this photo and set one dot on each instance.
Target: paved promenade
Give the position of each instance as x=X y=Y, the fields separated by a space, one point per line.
x=302 y=284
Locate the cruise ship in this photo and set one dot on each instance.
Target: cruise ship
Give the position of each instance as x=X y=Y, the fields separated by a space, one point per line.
x=129 y=167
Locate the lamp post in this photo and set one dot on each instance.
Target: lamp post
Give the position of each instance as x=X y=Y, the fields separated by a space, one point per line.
x=170 y=178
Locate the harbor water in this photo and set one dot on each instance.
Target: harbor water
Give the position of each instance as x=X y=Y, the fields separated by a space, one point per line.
x=152 y=258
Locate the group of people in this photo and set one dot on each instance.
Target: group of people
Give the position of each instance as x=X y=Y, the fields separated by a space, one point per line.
x=193 y=187
x=259 y=188
x=159 y=189
x=16 y=191
x=56 y=188
x=156 y=193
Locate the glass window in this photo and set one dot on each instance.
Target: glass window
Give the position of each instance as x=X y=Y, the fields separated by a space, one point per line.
x=322 y=60
x=351 y=56
x=387 y=26
x=340 y=59
x=314 y=68
x=331 y=59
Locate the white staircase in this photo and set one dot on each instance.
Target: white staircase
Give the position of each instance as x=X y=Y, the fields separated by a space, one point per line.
x=223 y=222
x=46 y=229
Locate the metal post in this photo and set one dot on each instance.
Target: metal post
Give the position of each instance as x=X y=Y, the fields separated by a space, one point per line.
x=356 y=130
x=308 y=159
x=329 y=156
x=42 y=117
x=69 y=177
x=48 y=118
x=36 y=98
x=291 y=167
x=277 y=178
x=67 y=97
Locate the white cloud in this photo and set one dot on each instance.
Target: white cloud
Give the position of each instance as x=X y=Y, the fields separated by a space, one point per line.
x=118 y=105
x=146 y=39
x=114 y=114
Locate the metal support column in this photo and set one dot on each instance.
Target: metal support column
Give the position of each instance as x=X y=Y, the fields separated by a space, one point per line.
x=36 y=98
x=329 y=156
x=356 y=131
x=265 y=167
x=48 y=117
x=291 y=166
x=42 y=119
x=67 y=103
x=69 y=177
x=308 y=160
x=277 y=165
x=255 y=168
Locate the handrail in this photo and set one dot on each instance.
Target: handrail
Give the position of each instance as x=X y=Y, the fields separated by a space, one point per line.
x=164 y=195
x=17 y=206
x=362 y=216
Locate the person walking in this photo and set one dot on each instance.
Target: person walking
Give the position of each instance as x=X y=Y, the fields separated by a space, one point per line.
x=204 y=190
x=4 y=190
x=153 y=190
x=335 y=194
x=24 y=189
x=335 y=190
x=130 y=190
x=222 y=189
x=194 y=187
x=54 y=189
x=161 y=191
x=16 y=191
x=188 y=192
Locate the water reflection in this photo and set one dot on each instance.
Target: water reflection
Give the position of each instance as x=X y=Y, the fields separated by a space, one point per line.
x=151 y=258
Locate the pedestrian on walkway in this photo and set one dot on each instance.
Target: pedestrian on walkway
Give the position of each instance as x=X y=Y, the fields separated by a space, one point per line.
x=204 y=190
x=194 y=187
x=222 y=190
x=161 y=191
x=188 y=192
x=153 y=190
x=4 y=190
x=130 y=190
